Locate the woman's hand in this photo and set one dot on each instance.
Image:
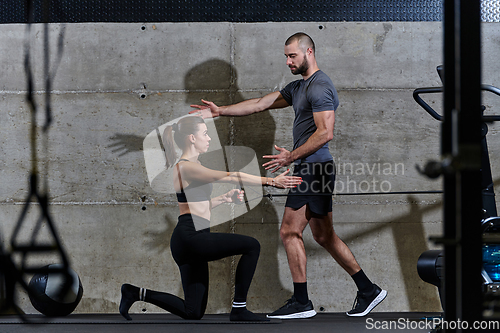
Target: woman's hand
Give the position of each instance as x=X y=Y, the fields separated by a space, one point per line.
x=234 y=196
x=284 y=181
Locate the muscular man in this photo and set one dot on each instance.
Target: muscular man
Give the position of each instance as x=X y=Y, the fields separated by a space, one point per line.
x=314 y=100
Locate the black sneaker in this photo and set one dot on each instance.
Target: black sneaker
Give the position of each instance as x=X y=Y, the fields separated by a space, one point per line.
x=294 y=310
x=364 y=303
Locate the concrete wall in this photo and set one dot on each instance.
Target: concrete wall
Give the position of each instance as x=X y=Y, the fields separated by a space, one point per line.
x=115 y=83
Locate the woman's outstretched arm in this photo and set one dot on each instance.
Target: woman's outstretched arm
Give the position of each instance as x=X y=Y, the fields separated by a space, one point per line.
x=196 y=172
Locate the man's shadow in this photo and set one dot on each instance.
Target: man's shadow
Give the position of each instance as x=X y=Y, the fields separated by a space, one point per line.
x=216 y=80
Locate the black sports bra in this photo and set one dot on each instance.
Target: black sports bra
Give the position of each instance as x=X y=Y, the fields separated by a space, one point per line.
x=196 y=191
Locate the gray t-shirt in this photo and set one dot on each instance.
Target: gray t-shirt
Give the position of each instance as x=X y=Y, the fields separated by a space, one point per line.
x=315 y=94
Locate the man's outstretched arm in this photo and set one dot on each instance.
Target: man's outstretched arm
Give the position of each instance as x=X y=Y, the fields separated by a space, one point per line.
x=273 y=100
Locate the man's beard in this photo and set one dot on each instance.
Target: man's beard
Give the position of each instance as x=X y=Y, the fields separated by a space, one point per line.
x=304 y=66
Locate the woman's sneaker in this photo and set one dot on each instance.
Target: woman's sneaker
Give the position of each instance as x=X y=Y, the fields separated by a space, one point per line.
x=365 y=302
x=294 y=310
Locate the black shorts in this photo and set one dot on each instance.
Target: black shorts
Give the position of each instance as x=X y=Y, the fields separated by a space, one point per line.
x=316 y=189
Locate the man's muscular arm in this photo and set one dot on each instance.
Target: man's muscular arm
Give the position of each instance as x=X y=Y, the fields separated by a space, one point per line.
x=273 y=100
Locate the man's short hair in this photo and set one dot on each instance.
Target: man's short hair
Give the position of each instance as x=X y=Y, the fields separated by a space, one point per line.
x=304 y=41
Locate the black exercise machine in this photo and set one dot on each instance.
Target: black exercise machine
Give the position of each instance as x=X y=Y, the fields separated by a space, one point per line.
x=430 y=265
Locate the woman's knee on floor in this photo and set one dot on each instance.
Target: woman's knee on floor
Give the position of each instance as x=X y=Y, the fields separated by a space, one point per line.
x=195 y=313
x=194 y=316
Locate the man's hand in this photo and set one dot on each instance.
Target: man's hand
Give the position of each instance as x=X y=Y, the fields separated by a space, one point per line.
x=208 y=110
x=284 y=158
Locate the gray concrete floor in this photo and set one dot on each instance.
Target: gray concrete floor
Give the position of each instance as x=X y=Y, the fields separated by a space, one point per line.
x=151 y=323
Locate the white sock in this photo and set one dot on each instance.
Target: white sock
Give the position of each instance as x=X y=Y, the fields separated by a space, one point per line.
x=142 y=294
x=239 y=304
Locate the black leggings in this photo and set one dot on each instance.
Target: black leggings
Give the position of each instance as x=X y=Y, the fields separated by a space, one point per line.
x=192 y=250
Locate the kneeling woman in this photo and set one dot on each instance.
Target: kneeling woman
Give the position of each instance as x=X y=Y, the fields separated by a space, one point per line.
x=192 y=244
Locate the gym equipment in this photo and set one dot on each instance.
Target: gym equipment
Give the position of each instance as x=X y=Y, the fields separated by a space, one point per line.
x=13 y=271
x=49 y=294
x=430 y=264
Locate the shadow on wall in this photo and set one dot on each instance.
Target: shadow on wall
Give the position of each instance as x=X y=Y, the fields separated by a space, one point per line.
x=409 y=250
x=216 y=80
x=420 y=294
x=123 y=144
x=256 y=132
x=159 y=241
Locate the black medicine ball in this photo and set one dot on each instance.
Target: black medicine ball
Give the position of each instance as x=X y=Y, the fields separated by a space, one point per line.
x=47 y=292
